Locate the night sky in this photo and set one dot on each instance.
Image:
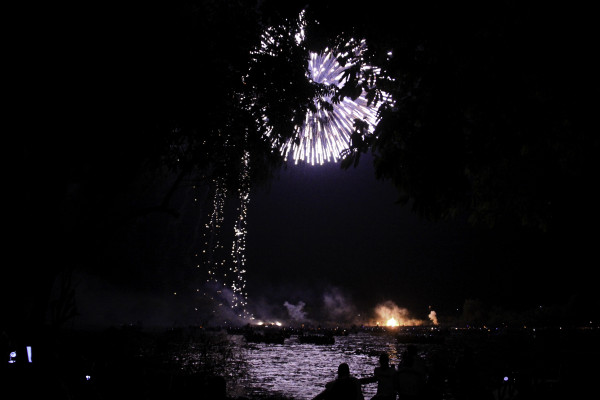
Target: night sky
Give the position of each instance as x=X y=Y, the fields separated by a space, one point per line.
x=314 y=232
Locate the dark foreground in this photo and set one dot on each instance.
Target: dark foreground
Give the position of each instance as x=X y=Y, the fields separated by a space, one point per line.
x=127 y=363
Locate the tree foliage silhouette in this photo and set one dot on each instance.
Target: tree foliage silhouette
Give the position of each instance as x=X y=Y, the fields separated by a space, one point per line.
x=132 y=98
x=492 y=112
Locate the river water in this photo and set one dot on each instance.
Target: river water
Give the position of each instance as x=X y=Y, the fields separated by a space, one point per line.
x=536 y=361
x=300 y=370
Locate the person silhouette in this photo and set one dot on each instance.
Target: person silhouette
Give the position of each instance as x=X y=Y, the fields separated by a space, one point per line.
x=411 y=375
x=385 y=376
x=344 y=387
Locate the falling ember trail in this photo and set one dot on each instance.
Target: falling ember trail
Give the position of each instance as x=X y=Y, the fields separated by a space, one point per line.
x=213 y=246
x=226 y=286
x=238 y=251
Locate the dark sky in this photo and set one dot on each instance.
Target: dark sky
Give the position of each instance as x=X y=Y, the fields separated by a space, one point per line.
x=322 y=227
x=318 y=232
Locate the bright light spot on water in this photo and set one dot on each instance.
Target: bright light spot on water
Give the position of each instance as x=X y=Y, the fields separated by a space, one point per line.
x=300 y=371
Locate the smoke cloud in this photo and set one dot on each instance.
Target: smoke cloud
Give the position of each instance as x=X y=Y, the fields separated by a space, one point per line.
x=338 y=308
x=389 y=310
x=433 y=317
x=296 y=312
x=389 y=313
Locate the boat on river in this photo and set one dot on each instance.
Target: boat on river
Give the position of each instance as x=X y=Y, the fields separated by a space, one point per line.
x=316 y=339
x=269 y=338
x=420 y=338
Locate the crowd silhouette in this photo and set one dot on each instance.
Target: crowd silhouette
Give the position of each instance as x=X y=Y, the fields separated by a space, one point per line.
x=410 y=379
x=406 y=382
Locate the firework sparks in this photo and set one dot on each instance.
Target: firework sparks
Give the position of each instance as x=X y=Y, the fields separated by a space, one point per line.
x=238 y=251
x=227 y=285
x=326 y=132
x=323 y=137
x=212 y=242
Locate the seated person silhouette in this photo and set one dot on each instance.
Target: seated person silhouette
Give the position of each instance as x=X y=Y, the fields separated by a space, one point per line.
x=345 y=387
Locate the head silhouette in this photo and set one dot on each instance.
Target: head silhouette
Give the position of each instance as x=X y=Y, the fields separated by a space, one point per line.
x=384 y=359
x=343 y=370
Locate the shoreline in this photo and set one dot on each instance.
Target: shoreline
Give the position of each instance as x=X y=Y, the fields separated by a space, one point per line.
x=134 y=363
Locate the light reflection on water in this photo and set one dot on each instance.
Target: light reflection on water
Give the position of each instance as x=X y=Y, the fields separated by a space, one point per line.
x=300 y=371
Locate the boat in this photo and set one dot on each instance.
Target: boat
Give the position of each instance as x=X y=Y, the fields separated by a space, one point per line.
x=316 y=339
x=419 y=338
x=254 y=337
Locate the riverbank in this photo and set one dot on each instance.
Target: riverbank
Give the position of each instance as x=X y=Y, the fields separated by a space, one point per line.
x=131 y=363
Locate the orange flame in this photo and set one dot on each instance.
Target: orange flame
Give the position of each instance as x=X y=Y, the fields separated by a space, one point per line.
x=394 y=315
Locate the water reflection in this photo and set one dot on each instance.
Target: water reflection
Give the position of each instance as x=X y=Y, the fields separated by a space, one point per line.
x=300 y=370
x=457 y=360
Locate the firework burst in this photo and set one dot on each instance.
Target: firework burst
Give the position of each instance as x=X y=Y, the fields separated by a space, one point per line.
x=322 y=136
x=326 y=131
